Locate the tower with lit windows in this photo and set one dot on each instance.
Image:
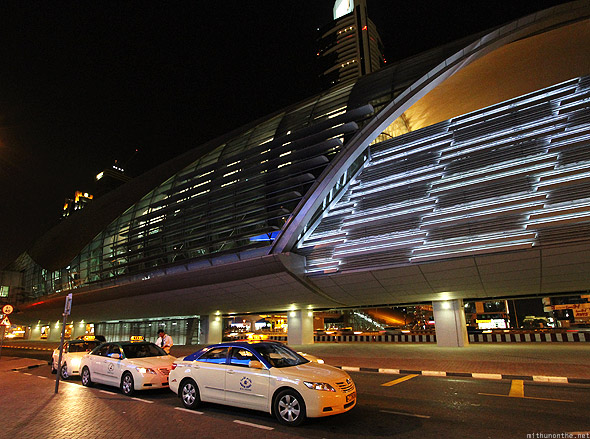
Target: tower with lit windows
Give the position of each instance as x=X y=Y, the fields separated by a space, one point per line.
x=350 y=46
x=109 y=179
x=78 y=202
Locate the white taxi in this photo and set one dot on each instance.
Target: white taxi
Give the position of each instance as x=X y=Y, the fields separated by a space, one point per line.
x=264 y=376
x=128 y=365
x=72 y=353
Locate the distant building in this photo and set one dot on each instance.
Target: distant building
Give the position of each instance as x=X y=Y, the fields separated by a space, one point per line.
x=78 y=202
x=109 y=179
x=350 y=46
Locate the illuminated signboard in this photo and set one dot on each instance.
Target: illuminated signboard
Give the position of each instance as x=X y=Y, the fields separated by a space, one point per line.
x=491 y=324
x=342 y=7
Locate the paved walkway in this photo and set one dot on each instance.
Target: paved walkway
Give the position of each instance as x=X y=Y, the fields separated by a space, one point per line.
x=17 y=363
x=567 y=362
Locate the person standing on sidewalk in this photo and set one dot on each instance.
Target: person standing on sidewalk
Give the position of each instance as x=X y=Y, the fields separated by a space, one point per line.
x=164 y=341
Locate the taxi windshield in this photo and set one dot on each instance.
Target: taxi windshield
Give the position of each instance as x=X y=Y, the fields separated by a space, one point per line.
x=142 y=350
x=85 y=346
x=278 y=355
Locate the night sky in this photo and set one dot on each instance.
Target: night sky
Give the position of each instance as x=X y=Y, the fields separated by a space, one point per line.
x=83 y=84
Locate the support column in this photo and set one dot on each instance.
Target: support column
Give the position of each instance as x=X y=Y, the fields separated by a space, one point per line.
x=449 y=318
x=300 y=329
x=211 y=329
x=79 y=329
x=34 y=333
x=54 y=332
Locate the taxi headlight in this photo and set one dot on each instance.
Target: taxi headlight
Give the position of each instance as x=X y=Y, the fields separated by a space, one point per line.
x=144 y=370
x=319 y=386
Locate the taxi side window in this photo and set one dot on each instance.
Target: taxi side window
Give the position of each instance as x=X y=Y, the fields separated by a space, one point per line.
x=241 y=357
x=76 y=347
x=103 y=350
x=114 y=349
x=216 y=355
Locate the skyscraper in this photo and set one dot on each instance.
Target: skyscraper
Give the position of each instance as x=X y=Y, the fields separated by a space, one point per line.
x=350 y=46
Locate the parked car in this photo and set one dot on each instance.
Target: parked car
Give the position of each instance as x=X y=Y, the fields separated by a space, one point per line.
x=131 y=366
x=264 y=376
x=72 y=353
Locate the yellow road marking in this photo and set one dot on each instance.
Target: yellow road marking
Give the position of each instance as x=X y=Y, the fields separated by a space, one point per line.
x=405 y=414
x=399 y=380
x=517 y=389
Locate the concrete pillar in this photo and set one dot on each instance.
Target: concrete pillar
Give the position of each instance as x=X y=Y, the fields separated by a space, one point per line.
x=79 y=329
x=54 y=331
x=300 y=327
x=449 y=318
x=211 y=329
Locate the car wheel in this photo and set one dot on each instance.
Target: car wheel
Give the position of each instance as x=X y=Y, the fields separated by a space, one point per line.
x=289 y=408
x=127 y=385
x=64 y=372
x=86 y=381
x=53 y=369
x=189 y=393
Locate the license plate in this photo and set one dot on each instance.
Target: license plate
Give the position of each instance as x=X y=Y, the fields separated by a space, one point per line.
x=350 y=397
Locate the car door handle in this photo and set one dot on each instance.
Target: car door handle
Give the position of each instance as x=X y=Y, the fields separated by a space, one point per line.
x=230 y=371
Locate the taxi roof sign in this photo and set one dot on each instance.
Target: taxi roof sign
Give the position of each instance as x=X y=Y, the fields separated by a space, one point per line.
x=136 y=338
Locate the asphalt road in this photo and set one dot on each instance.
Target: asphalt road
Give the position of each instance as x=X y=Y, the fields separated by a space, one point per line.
x=389 y=406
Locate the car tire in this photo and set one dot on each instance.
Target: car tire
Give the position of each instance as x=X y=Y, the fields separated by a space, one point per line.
x=53 y=369
x=86 y=381
x=289 y=408
x=189 y=394
x=63 y=372
x=127 y=384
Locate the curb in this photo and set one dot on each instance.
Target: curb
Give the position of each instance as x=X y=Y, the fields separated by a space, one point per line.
x=34 y=366
x=487 y=376
x=35 y=348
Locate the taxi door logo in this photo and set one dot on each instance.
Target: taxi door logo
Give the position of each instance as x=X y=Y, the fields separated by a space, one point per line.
x=111 y=368
x=246 y=383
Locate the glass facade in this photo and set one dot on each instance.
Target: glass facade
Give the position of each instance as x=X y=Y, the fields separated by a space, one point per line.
x=182 y=330
x=235 y=198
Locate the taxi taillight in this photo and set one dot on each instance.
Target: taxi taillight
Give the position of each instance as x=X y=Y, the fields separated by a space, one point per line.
x=174 y=366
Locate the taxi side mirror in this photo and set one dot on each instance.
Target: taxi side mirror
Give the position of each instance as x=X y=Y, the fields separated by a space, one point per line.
x=255 y=364
x=115 y=356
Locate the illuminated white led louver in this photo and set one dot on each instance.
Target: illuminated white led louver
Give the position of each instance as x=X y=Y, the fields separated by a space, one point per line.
x=476 y=250
x=531 y=98
x=384 y=184
x=415 y=205
x=231 y=173
x=395 y=214
x=384 y=156
x=443 y=185
x=354 y=249
x=523 y=210
x=479 y=210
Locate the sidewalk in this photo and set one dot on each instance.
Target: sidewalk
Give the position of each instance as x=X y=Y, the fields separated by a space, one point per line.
x=17 y=363
x=561 y=362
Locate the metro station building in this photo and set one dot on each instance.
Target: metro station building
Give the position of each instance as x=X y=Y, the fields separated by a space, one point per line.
x=460 y=173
